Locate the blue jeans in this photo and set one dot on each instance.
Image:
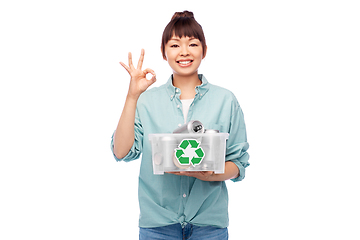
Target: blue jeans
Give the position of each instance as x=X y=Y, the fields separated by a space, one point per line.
x=189 y=232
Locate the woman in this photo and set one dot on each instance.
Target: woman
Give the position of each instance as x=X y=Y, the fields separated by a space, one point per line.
x=177 y=205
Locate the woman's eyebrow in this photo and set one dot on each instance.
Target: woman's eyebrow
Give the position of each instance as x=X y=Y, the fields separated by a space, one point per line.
x=178 y=39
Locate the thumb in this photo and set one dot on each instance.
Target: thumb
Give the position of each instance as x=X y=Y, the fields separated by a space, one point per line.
x=152 y=80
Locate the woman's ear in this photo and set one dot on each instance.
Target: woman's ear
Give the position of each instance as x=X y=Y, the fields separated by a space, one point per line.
x=164 y=57
x=205 y=52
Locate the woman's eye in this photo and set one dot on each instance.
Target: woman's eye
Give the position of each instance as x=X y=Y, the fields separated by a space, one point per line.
x=193 y=45
x=174 y=45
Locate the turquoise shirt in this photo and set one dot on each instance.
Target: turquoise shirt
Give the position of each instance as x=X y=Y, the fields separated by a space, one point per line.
x=169 y=199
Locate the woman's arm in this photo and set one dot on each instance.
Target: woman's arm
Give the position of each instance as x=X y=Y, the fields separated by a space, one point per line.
x=124 y=134
x=231 y=171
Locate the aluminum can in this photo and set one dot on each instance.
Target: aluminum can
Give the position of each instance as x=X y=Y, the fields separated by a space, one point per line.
x=211 y=141
x=193 y=126
x=178 y=165
x=211 y=131
x=168 y=146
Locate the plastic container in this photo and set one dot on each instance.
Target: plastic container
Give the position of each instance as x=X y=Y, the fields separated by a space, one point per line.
x=188 y=152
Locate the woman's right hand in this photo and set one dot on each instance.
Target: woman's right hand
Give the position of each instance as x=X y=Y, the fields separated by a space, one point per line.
x=138 y=81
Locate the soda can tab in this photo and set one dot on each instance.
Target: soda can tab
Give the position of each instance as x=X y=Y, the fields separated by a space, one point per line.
x=193 y=126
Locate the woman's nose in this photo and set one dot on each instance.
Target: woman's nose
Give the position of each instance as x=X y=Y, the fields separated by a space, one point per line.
x=184 y=52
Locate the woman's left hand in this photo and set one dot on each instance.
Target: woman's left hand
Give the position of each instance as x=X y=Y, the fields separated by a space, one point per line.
x=202 y=175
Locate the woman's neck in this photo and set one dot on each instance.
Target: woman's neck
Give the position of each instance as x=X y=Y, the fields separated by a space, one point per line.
x=186 y=84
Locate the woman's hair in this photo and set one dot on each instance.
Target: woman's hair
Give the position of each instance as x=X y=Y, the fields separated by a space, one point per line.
x=183 y=24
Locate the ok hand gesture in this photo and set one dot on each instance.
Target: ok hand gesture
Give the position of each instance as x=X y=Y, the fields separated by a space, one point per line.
x=138 y=81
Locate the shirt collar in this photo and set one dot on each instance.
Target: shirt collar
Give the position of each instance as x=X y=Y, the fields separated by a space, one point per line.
x=201 y=90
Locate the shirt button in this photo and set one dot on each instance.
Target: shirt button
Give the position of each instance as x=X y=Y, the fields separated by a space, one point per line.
x=184 y=195
x=177 y=90
x=178 y=106
x=179 y=125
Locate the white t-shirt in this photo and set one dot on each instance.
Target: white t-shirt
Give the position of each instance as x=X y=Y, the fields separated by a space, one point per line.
x=185 y=107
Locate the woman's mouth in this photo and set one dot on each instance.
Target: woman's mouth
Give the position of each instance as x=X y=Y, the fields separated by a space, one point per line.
x=184 y=63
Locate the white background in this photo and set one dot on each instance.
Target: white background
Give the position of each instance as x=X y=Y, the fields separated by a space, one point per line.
x=293 y=65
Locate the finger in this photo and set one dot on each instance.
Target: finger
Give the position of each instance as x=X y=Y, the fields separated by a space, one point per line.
x=185 y=173
x=148 y=70
x=130 y=61
x=152 y=72
x=126 y=67
x=141 y=59
x=153 y=79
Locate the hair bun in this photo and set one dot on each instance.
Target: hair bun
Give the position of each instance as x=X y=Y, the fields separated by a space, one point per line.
x=183 y=14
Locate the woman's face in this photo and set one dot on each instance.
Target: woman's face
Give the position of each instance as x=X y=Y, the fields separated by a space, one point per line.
x=184 y=55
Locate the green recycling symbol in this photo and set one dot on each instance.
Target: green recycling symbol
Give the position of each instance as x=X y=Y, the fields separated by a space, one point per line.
x=189 y=149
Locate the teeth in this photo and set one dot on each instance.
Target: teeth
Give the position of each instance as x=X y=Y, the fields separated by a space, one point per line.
x=184 y=62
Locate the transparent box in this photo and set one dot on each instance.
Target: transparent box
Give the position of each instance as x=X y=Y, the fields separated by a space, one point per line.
x=188 y=152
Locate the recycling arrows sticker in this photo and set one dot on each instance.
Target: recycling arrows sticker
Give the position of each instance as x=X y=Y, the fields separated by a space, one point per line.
x=189 y=149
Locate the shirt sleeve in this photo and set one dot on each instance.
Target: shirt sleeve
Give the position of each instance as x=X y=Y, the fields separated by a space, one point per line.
x=237 y=145
x=136 y=148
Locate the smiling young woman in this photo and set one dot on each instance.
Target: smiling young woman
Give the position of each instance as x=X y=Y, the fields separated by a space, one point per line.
x=179 y=204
